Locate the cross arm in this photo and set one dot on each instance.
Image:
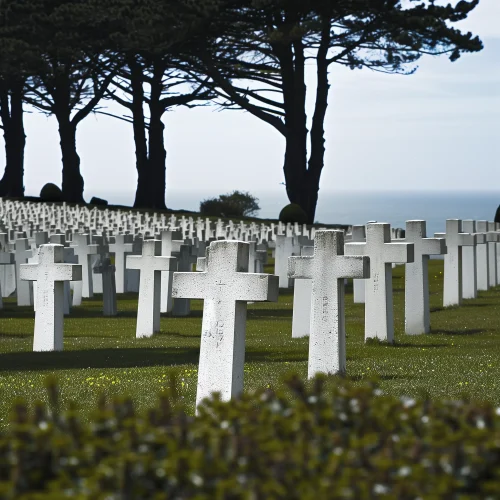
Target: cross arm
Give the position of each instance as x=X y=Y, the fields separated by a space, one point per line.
x=491 y=236
x=467 y=240
x=134 y=262
x=258 y=288
x=355 y=248
x=68 y=272
x=354 y=267
x=187 y=285
x=434 y=246
x=399 y=252
x=300 y=267
x=28 y=272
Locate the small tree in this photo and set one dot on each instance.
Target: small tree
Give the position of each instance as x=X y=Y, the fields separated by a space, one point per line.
x=235 y=204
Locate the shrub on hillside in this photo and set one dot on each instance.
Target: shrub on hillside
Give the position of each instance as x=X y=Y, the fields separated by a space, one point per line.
x=293 y=213
x=50 y=192
x=312 y=443
x=235 y=204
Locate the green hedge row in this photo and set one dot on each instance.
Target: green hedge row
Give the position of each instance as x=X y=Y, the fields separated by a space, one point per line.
x=317 y=441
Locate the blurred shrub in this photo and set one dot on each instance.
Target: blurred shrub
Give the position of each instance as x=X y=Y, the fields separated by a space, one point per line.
x=293 y=213
x=343 y=442
x=235 y=204
x=51 y=192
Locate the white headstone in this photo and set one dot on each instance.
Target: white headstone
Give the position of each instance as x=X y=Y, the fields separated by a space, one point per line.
x=150 y=264
x=455 y=240
x=379 y=321
x=302 y=290
x=482 y=257
x=358 y=286
x=24 y=288
x=469 y=261
x=120 y=248
x=107 y=270
x=50 y=274
x=327 y=270
x=417 y=310
x=171 y=242
x=225 y=287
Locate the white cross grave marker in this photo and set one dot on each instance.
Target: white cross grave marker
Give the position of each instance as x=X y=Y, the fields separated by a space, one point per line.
x=120 y=248
x=150 y=264
x=358 y=286
x=327 y=270
x=482 y=257
x=302 y=290
x=225 y=287
x=469 y=261
x=107 y=270
x=379 y=321
x=455 y=240
x=24 y=289
x=6 y=259
x=50 y=274
x=171 y=242
x=83 y=250
x=417 y=310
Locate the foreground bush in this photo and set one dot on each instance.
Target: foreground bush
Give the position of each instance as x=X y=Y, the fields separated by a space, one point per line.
x=345 y=442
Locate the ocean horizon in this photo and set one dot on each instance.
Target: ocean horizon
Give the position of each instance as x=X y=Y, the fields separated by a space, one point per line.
x=359 y=207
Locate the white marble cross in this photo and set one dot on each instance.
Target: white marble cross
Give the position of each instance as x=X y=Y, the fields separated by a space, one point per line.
x=469 y=261
x=327 y=270
x=417 y=310
x=150 y=264
x=6 y=259
x=455 y=240
x=83 y=250
x=284 y=248
x=493 y=239
x=107 y=270
x=171 y=242
x=120 y=248
x=50 y=274
x=225 y=287
x=379 y=321
x=185 y=261
x=482 y=257
x=358 y=286
x=302 y=290
x=24 y=289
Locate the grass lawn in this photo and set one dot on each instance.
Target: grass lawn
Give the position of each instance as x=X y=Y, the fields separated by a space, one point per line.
x=459 y=358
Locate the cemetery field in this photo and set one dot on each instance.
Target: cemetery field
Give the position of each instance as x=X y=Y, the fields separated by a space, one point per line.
x=459 y=358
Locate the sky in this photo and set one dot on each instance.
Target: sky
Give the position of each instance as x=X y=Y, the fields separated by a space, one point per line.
x=438 y=129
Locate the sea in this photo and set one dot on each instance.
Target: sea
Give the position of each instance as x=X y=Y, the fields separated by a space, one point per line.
x=359 y=207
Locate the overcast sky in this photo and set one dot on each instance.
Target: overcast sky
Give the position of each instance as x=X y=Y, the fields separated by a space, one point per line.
x=437 y=129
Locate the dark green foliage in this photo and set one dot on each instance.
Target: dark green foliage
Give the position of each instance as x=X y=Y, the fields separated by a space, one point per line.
x=497 y=214
x=98 y=201
x=315 y=441
x=235 y=204
x=293 y=213
x=50 y=192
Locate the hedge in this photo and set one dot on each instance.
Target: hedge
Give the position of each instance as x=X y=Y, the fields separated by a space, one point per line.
x=317 y=441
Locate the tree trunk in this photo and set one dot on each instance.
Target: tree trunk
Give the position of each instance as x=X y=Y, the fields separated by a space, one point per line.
x=294 y=98
x=139 y=126
x=12 y=183
x=317 y=158
x=157 y=152
x=72 y=180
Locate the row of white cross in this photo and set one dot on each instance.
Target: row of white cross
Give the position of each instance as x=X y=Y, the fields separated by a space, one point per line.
x=226 y=286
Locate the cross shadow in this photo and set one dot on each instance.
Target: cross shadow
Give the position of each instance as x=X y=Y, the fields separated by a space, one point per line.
x=121 y=358
x=472 y=331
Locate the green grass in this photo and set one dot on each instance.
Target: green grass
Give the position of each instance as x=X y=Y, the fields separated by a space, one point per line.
x=459 y=358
